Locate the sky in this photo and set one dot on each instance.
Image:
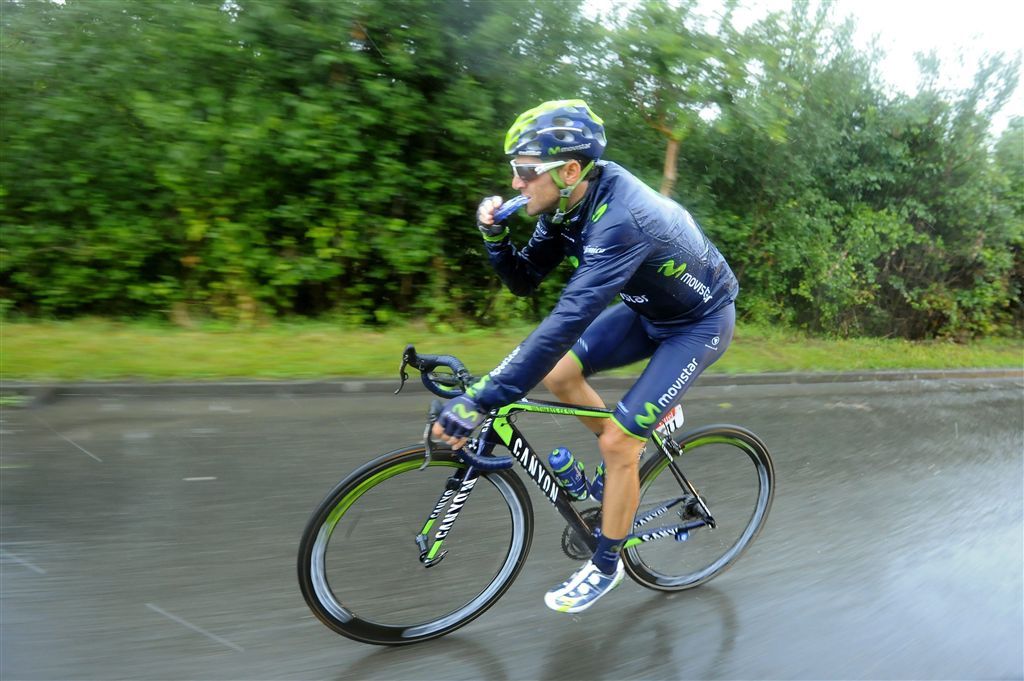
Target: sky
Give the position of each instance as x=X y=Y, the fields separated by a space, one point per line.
x=954 y=28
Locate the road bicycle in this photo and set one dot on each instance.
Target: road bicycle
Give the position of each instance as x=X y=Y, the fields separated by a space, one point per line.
x=420 y=541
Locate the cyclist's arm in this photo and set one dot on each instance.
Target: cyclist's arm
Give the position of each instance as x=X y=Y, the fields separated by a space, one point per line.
x=523 y=270
x=599 y=278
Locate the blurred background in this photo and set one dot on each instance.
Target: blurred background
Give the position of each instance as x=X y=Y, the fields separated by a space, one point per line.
x=286 y=188
x=248 y=160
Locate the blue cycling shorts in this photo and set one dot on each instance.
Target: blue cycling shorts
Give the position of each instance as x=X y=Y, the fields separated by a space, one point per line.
x=679 y=352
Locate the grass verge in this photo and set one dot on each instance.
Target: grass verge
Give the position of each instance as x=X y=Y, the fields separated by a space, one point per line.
x=93 y=349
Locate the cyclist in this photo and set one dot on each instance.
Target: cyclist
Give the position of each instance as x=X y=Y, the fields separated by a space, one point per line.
x=626 y=241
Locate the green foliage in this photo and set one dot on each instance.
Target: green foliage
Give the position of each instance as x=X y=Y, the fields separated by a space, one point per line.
x=251 y=159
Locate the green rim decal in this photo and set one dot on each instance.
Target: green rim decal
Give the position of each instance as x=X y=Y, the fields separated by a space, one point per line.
x=371 y=482
x=711 y=439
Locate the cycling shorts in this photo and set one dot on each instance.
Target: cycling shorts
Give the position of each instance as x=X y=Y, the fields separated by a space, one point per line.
x=678 y=353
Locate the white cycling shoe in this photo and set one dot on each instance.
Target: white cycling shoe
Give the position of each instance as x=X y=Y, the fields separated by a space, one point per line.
x=583 y=588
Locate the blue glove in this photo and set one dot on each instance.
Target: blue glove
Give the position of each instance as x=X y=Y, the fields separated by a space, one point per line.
x=460 y=417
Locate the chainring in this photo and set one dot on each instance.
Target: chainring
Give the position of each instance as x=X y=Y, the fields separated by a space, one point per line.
x=572 y=544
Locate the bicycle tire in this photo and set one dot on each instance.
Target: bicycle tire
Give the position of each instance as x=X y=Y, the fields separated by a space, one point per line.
x=331 y=600
x=666 y=564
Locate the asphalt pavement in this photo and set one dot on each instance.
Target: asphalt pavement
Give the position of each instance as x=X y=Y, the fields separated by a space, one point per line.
x=151 y=533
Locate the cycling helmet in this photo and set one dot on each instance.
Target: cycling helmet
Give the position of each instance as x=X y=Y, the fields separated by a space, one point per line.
x=565 y=126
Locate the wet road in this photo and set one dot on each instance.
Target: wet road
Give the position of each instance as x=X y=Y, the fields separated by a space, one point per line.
x=147 y=538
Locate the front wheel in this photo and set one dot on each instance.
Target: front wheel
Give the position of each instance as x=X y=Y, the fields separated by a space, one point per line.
x=732 y=473
x=360 y=567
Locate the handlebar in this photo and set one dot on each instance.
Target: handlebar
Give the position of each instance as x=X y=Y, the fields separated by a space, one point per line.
x=442 y=385
x=449 y=386
x=481 y=459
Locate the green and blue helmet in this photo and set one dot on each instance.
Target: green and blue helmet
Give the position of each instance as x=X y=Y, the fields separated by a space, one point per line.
x=565 y=126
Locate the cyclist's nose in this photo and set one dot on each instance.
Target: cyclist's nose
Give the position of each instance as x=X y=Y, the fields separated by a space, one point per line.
x=517 y=182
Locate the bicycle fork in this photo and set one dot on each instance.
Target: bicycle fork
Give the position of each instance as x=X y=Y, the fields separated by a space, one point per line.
x=456 y=491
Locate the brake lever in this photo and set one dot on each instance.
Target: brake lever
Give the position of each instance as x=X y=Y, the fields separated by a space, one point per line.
x=435 y=411
x=403 y=375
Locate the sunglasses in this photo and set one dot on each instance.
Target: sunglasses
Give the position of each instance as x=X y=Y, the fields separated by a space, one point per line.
x=528 y=172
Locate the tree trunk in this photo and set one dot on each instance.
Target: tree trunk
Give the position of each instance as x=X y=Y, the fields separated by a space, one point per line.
x=669 y=175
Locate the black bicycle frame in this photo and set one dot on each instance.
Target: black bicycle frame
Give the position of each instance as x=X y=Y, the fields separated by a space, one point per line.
x=500 y=429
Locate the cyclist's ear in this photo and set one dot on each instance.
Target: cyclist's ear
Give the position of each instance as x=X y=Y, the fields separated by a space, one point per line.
x=571 y=171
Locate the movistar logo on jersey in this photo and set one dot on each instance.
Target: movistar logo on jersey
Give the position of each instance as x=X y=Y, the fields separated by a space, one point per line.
x=599 y=212
x=669 y=269
x=461 y=410
x=574 y=261
x=647 y=420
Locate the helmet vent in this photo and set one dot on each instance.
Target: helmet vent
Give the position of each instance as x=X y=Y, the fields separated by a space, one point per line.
x=553 y=126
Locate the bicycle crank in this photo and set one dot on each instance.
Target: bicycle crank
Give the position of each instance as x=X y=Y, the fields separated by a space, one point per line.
x=573 y=544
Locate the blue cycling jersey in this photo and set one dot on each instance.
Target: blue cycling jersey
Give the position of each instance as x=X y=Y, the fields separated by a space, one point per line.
x=626 y=241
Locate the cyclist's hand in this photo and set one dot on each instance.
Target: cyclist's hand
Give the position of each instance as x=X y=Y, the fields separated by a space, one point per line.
x=458 y=419
x=485 y=216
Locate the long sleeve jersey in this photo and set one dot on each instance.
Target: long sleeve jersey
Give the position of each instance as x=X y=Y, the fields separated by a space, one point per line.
x=626 y=241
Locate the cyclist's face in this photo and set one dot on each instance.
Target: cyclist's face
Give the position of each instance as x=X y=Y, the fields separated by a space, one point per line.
x=538 y=184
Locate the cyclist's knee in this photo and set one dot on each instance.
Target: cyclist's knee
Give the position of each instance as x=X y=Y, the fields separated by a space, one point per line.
x=565 y=377
x=619 y=449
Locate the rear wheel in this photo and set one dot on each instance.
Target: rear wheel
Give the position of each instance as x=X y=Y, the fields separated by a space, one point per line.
x=359 y=564
x=733 y=474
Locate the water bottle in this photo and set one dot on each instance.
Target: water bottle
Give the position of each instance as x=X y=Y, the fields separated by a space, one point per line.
x=597 y=484
x=569 y=472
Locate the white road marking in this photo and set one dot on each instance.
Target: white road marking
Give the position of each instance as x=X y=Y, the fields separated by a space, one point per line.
x=71 y=442
x=17 y=559
x=199 y=479
x=204 y=632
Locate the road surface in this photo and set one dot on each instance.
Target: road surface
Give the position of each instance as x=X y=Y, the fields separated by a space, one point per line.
x=155 y=538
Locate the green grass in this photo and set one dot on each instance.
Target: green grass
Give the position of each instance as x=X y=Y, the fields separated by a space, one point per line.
x=93 y=349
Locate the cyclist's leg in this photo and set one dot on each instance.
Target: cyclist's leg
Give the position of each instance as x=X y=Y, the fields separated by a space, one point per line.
x=614 y=339
x=684 y=352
